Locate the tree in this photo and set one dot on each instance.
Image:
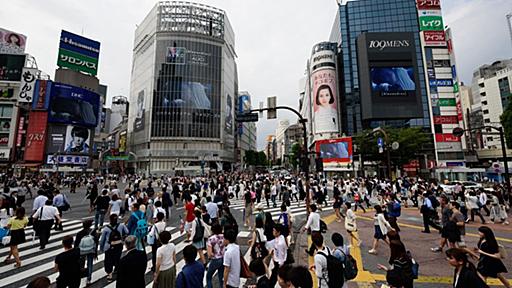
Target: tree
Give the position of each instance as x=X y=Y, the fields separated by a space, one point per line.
x=506 y=122
x=295 y=155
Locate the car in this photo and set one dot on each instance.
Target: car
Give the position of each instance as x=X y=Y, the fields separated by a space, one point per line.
x=450 y=186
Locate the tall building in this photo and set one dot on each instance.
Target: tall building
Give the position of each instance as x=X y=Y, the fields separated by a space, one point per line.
x=509 y=23
x=491 y=87
x=280 y=138
x=183 y=84
x=246 y=131
x=356 y=18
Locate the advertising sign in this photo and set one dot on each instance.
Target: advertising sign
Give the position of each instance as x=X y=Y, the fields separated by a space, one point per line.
x=42 y=95
x=459 y=111
x=4 y=139
x=6 y=93
x=242 y=100
x=28 y=81
x=73 y=105
x=335 y=150
x=122 y=142
x=447 y=138
x=12 y=42
x=21 y=131
x=428 y=12
x=446 y=120
x=441 y=82
x=78 y=53
x=324 y=101
x=447 y=102
x=431 y=23
x=434 y=38
x=229 y=114
x=393 y=81
x=428 y=4
x=67 y=159
x=176 y=55
x=4 y=154
x=36 y=136
x=11 y=67
x=138 y=124
x=56 y=139
x=77 y=140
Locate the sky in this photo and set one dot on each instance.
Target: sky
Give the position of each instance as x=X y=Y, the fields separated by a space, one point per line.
x=273 y=38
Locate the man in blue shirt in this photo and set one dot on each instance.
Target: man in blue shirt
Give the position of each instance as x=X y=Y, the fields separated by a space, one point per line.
x=192 y=273
x=132 y=224
x=429 y=212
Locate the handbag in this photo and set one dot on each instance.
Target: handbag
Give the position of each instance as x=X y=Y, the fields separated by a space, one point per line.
x=6 y=239
x=37 y=222
x=244 y=268
x=258 y=249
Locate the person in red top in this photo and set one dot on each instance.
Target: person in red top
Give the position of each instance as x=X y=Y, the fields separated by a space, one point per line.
x=189 y=216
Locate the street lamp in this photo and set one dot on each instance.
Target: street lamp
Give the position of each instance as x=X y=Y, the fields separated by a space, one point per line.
x=386 y=146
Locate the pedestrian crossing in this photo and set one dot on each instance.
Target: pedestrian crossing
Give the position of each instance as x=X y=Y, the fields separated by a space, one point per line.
x=36 y=262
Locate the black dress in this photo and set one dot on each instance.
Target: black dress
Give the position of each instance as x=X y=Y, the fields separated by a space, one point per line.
x=489 y=266
x=17 y=237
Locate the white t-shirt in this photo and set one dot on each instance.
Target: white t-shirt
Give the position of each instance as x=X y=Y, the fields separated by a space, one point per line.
x=158 y=209
x=165 y=252
x=280 y=249
x=49 y=213
x=116 y=206
x=321 y=268
x=232 y=260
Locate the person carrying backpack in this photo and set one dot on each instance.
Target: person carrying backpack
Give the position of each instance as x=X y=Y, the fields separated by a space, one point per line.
x=138 y=226
x=326 y=266
x=111 y=243
x=87 y=241
x=284 y=219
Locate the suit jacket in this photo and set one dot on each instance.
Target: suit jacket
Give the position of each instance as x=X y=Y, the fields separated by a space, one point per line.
x=469 y=279
x=132 y=268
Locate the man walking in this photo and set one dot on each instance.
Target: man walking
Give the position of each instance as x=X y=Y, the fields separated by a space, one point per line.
x=132 y=266
x=231 y=261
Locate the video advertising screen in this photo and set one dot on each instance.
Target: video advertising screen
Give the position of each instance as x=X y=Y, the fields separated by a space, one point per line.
x=393 y=81
x=73 y=105
x=335 y=150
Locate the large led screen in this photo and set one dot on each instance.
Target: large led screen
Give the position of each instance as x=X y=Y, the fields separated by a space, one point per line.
x=392 y=81
x=335 y=150
x=73 y=105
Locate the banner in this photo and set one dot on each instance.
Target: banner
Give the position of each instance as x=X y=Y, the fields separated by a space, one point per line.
x=36 y=136
x=434 y=38
x=428 y=4
x=74 y=105
x=324 y=101
x=122 y=142
x=138 y=124
x=12 y=42
x=67 y=159
x=431 y=23
x=11 y=67
x=42 y=95
x=28 y=81
x=78 y=53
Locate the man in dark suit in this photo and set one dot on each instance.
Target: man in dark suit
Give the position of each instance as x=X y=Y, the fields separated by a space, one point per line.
x=132 y=266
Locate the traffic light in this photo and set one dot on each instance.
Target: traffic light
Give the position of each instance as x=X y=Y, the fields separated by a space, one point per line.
x=319 y=165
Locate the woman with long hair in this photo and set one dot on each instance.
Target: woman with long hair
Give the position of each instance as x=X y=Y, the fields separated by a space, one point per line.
x=465 y=274
x=382 y=227
x=268 y=226
x=489 y=262
x=400 y=273
x=17 y=226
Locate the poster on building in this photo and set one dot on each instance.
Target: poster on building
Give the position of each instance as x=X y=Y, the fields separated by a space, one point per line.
x=11 y=67
x=12 y=42
x=229 y=114
x=56 y=139
x=27 y=85
x=42 y=95
x=335 y=150
x=176 y=55
x=431 y=23
x=324 y=101
x=74 y=105
x=36 y=136
x=78 y=53
x=77 y=140
x=139 y=122
x=434 y=38
x=122 y=142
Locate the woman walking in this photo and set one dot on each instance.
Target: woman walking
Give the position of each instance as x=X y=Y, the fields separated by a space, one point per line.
x=351 y=224
x=382 y=227
x=17 y=226
x=215 y=249
x=466 y=275
x=165 y=270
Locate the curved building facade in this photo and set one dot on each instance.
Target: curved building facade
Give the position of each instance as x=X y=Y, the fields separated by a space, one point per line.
x=183 y=89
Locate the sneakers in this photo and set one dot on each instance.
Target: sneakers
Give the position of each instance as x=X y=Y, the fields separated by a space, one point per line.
x=423 y=231
x=374 y=252
x=436 y=249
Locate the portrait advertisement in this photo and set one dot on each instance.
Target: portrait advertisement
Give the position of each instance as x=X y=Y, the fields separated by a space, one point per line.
x=229 y=114
x=325 y=101
x=12 y=42
x=393 y=81
x=77 y=140
x=138 y=125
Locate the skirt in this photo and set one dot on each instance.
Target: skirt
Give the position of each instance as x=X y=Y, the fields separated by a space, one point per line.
x=17 y=237
x=167 y=278
x=199 y=244
x=378 y=234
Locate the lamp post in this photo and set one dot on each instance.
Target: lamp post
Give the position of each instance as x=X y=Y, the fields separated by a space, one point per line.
x=386 y=146
x=458 y=132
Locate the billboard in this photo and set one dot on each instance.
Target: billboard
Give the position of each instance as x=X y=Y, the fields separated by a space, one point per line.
x=138 y=124
x=73 y=105
x=12 y=42
x=428 y=4
x=36 y=136
x=67 y=159
x=56 y=139
x=42 y=90
x=325 y=94
x=78 y=140
x=434 y=38
x=229 y=114
x=176 y=55
x=431 y=23
x=28 y=81
x=11 y=67
x=78 y=53
x=335 y=150
x=122 y=142
x=388 y=76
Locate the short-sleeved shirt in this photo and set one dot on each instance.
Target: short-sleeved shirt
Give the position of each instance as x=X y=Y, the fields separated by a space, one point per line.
x=190 y=212
x=232 y=260
x=17 y=224
x=49 y=213
x=216 y=241
x=321 y=268
x=165 y=252
x=69 y=267
x=459 y=217
x=116 y=206
x=212 y=209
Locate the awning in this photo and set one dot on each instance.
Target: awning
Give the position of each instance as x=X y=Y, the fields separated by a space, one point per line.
x=460 y=170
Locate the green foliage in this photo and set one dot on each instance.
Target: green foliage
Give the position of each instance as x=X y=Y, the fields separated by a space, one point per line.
x=295 y=155
x=255 y=158
x=506 y=122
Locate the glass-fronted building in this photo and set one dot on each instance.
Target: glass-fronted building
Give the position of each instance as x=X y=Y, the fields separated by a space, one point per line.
x=355 y=18
x=183 y=89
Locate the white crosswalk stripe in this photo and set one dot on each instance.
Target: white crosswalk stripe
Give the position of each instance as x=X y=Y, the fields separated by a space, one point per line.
x=36 y=262
x=295 y=209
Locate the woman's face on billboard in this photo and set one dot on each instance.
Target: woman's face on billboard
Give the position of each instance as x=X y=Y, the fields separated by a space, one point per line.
x=324 y=97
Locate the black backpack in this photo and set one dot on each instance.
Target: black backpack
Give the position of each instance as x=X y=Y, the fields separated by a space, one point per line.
x=434 y=201
x=199 y=235
x=334 y=266
x=115 y=235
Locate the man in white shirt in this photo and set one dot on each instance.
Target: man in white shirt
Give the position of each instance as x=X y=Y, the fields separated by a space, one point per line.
x=231 y=261
x=279 y=250
x=39 y=201
x=313 y=224
x=212 y=209
x=45 y=217
x=320 y=266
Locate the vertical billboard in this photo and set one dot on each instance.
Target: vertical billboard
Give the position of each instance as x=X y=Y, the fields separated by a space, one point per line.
x=139 y=122
x=78 y=53
x=73 y=105
x=12 y=42
x=36 y=136
x=28 y=82
x=56 y=139
x=229 y=114
x=335 y=150
x=78 y=140
x=324 y=96
x=122 y=142
x=42 y=95
x=11 y=67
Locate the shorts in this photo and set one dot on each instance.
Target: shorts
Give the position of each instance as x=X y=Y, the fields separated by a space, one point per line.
x=188 y=226
x=248 y=211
